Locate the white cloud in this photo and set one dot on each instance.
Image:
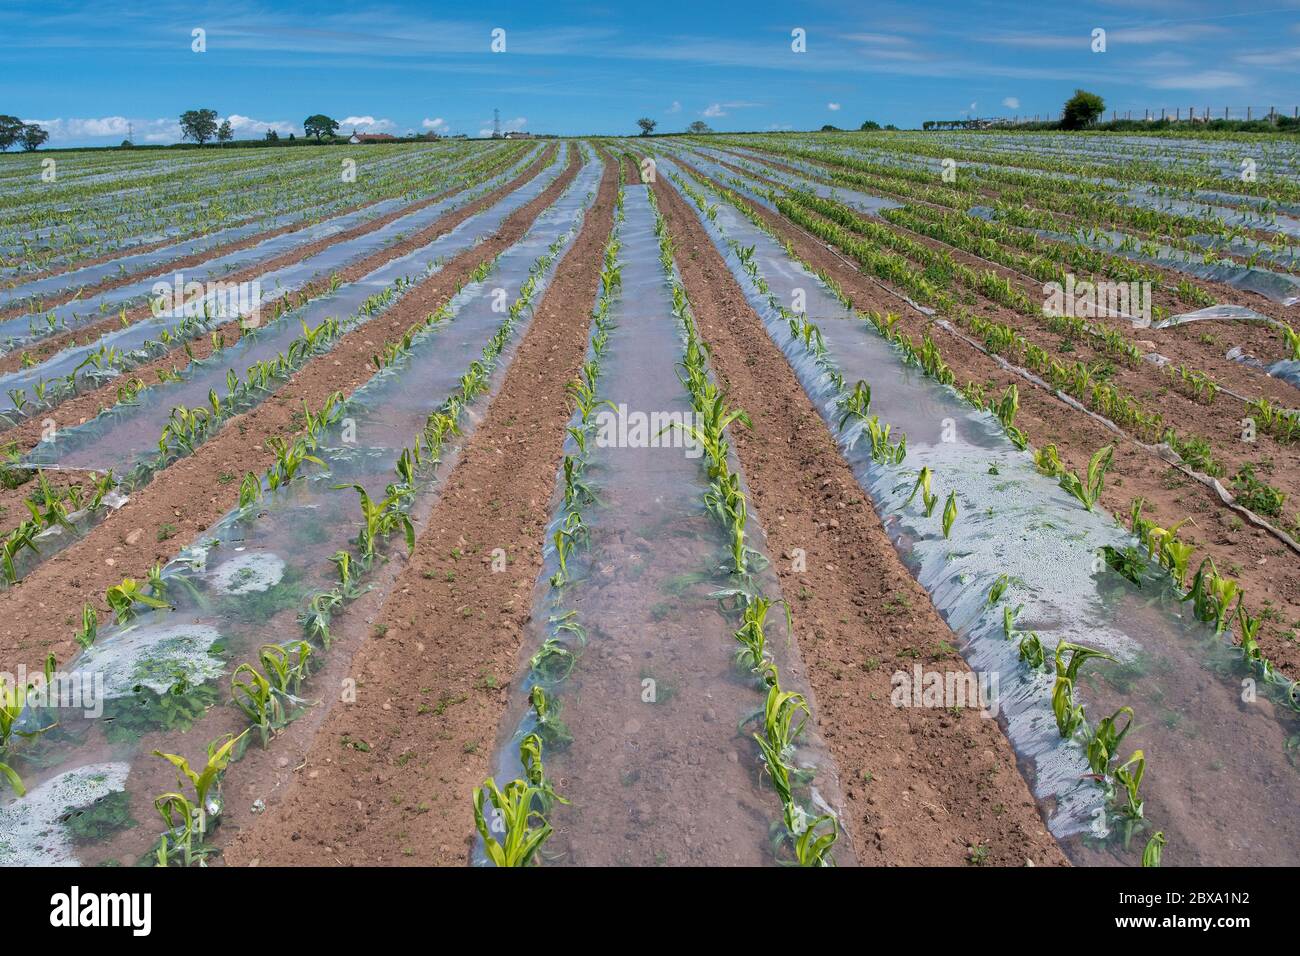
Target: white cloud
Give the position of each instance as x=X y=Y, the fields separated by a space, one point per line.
x=114 y=128
x=675 y=108
x=1205 y=80
x=720 y=109
x=248 y=126
x=366 y=124
x=438 y=124
x=1011 y=103
x=833 y=107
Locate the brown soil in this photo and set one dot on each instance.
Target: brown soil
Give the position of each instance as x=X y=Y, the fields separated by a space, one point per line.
x=433 y=689
x=54 y=592
x=922 y=787
x=89 y=333
x=1266 y=568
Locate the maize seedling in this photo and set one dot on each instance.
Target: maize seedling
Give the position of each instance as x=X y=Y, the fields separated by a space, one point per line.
x=123 y=598
x=949 y=513
x=999 y=588
x=12 y=702
x=928 y=498
x=1032 y=651
x=1089 y=492
x=1131 y=780
x=194 y=814
x=258 y=700
x=525 y=829
x=89 y=626
x=856 y=404
x=1155 y=849
x=1106 y=739
x=549 y=725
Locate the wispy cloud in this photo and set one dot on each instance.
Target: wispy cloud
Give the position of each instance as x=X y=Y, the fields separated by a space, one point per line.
x=1205 y=80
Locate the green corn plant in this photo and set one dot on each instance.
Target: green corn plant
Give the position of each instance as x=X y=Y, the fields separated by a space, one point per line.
x=89 y=626
x=576 y=491
x=998 y=588
x=1069 y=715
x=530 y=756
x=194 y=815
x=1009 y=616
x=1249 y=627
x=379 y=520
x=550 y=727
x=1212 y=595
x=1005 y=410
x=855 y=404
x=250 y=490
x=1032 y=651
x=1129 y=775
x=554 y=660
x=23 y=536
x=253 y=694
x=1105 y=740
x=286 y=666
x=752 y=655
x=525 y=828
x=949 y=513
x=315 y=620
x=12 y=702
x=1089 y=492
x=1048 y=461
x=928 y=498
x=566 y=538
x=813 y=849
x=157 y=585
x=288 y=460
x=123 y=598
x=1154 y=850
x=348 y=585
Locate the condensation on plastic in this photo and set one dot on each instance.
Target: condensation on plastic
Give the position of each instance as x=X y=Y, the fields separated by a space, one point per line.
x=280 y=549
x=275 y=285
x=642 y=590
x=1014 y=521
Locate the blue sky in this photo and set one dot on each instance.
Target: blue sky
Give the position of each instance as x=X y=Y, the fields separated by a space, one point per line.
x=85 y=70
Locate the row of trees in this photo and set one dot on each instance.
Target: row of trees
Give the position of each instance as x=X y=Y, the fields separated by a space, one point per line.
x=201 y=126
x=28 y=135
x=698 y=128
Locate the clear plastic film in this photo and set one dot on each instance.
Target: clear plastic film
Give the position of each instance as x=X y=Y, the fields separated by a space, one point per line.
x=1016 y=526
